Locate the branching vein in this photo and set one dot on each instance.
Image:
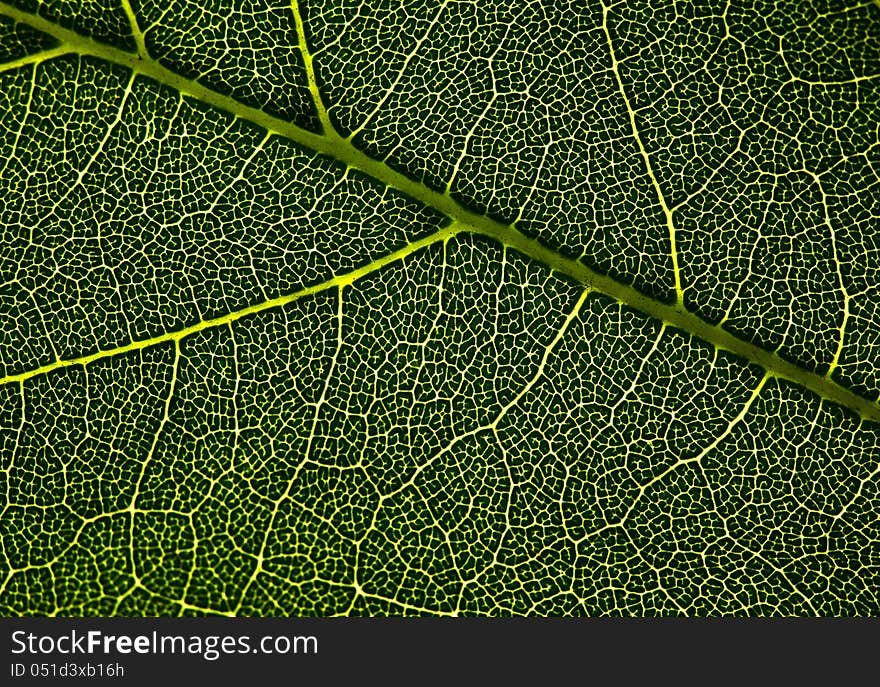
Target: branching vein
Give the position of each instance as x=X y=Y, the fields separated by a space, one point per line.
x=333 y=145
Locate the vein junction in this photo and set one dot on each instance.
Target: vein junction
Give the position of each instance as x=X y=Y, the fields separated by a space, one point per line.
x=333 y=145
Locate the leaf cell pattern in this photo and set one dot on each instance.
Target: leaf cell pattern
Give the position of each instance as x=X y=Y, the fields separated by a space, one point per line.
x=441 y=308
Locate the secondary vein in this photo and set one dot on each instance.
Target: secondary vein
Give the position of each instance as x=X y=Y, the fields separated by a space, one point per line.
x=321 y=109
x=333 y=145
x=338 y=281
x=661 y=199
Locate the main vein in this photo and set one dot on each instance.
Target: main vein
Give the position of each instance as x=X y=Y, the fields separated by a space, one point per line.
x=333 y=145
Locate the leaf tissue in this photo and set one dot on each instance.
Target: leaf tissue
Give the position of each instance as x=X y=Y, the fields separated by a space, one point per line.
x=550 y=307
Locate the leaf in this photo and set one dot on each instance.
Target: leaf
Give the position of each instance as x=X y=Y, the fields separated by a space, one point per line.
x=536 y=308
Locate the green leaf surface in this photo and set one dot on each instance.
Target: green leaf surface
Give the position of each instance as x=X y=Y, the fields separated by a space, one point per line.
x=439 y=308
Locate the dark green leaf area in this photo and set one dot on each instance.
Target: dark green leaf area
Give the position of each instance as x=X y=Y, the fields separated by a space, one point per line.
x=512 y=108
x=130 y=211
x=745 y=130
x=760 y=122
x=248 y=50
x=458 y=432
x=19 y=40
x=102 y=20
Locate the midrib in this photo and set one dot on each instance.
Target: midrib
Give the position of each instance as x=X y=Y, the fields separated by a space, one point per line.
x=332 y=145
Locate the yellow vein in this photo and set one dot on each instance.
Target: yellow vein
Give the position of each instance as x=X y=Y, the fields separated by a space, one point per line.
x=135 y=29
x=175 y=336
x=331 y=144
x=841 y=340
x=667 y=211
x=688 y=322
x=323 y=117
x=740 y=416
x=401 y=71
x=36 y=58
